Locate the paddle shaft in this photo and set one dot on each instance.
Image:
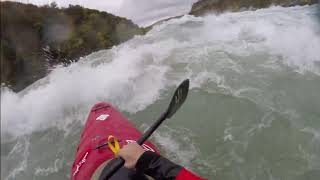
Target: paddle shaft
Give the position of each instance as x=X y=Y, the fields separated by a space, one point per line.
x=177 y=100
x=149 y=132
x=117 y=163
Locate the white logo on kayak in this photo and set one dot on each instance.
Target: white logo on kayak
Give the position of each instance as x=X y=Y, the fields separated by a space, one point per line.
x=144 y=146
x=83 y=160
x=102 y=117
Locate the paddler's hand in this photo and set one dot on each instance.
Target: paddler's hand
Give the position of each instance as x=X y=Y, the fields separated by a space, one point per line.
x=131 y=153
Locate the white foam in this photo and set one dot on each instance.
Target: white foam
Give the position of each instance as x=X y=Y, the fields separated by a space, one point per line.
x=20 y=150
x=180 y=149
x=127 y=83
x=133 y=75
x=291 y=33
x=57 y=165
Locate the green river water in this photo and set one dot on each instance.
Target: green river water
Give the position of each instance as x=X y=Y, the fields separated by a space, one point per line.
x=253 y=111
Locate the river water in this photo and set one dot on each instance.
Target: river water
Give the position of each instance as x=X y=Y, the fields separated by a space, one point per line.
x=253 y=111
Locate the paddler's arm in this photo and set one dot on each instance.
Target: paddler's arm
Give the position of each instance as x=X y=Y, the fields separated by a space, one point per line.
x=153 y=164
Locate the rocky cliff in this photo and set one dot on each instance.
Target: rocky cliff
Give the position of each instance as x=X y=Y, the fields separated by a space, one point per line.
x=33 y=39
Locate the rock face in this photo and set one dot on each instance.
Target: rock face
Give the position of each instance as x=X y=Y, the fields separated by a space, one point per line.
x=203 y=7
x=33 y=39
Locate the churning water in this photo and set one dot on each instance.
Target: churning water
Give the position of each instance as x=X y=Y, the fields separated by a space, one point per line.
x=253 y=112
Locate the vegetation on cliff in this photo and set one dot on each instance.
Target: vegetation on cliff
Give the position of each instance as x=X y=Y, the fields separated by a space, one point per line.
x=35 y=38
x=218 y=6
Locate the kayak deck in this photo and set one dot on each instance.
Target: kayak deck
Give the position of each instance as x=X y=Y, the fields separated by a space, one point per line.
x=103 y=121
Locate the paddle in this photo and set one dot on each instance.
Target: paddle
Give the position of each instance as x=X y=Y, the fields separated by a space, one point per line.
x=180 y=95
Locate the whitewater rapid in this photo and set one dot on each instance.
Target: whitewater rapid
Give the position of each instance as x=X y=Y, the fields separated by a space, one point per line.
x=255 y=76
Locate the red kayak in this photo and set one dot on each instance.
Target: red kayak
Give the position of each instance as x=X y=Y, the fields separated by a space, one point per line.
x=104 y=123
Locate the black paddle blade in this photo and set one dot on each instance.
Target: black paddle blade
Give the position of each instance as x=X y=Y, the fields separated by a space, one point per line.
x=179 y=96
